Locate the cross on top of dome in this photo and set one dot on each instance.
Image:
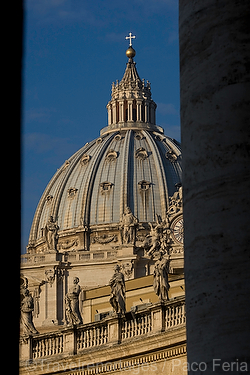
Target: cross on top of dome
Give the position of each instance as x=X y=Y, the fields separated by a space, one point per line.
x=130 y=37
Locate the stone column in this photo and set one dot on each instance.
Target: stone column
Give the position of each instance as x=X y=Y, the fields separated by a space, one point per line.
x=114 y=112
x=146 y=111
x=130 y=110
x=139 y=109
x=121 y=111
x=109 y=108
x=215 y=79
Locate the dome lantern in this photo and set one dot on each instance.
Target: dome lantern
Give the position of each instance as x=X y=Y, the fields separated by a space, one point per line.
x=131 y=105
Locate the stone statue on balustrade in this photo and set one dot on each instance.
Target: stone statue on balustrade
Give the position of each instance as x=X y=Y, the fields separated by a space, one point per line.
x=27 y=308
x=72 y=312
x=128 y=226
x=50 y=233
x=118 y=294
x=161 y=285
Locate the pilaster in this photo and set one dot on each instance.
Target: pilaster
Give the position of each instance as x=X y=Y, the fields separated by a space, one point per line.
x=158 y=317
x=69 y=340
x=25 y=348
x=114 y=330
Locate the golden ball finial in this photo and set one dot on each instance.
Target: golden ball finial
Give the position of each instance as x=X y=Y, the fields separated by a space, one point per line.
x=130 y=53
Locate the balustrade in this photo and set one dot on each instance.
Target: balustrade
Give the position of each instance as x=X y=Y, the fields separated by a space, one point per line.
x=92 y=336
x=175 y=315
x=155 y=319
x=47 y=345
x=140 y=325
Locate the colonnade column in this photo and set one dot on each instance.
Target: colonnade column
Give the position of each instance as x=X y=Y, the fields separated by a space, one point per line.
x=215 y=133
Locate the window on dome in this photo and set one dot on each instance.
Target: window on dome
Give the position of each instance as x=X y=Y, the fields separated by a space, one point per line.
x=144 y=185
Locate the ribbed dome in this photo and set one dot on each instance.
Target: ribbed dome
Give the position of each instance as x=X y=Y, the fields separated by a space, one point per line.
x=138 y=169
x=133 y=164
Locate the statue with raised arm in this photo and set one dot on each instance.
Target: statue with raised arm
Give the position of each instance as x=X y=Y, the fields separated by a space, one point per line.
x=27 y=308
x=50 y=233
x=72 y=312
x=161 y=285
x=118 y=294
x=128 y=225
x=155 y=234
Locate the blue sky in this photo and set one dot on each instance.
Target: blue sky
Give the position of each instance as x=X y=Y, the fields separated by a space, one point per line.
x=73 y=51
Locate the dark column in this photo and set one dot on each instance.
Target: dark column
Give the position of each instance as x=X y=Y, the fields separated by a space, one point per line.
x=215 y=94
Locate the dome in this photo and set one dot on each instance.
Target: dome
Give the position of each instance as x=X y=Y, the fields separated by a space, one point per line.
x=131 y=165
x=130 y=168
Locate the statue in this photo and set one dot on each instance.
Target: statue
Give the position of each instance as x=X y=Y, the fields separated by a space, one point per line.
x=175 y=202
x=155 y=234
x=128 y=227
x=50 y=232
x=72 y=312
x=118 y=296
x=160 y=241
x=161 y=285
x=27 y=307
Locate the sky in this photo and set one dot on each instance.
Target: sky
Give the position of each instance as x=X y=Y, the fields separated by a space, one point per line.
x=72 y=52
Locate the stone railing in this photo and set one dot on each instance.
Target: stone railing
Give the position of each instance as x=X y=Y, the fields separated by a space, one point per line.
x=138 y=325
x=81 y=256
x=158 y=318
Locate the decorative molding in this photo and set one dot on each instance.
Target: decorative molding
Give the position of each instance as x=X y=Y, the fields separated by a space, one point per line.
x=67 y=244
x=104 y=238
x=111 y=155
x=49 y=198
x=141 y=153
x=50 y=275
x=118 y=137
x=72 y=192
x=105 y=186
x=134 y=364
x=85 y=159
x=127 y=268
x=170 y=155
x=65 y=165
x=138 y=136
x=144 y=185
